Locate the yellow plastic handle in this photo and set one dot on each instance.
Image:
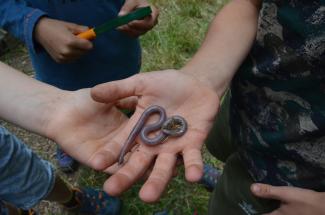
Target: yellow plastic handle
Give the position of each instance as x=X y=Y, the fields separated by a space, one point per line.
x=88 y=35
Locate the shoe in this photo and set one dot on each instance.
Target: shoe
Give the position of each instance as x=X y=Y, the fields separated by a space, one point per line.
x=28 y=212
x=66 y=163
x=210 y=177
x=4 y=207
x=95 y=202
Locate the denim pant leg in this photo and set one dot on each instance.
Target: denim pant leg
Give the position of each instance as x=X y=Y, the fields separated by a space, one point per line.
x=3 y=209
x=25 y=179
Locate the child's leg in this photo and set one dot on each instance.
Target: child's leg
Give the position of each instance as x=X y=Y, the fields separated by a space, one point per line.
x=232 y=194
x=25 y=179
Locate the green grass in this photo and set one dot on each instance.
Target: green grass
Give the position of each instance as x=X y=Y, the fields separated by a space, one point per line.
x=181 y=29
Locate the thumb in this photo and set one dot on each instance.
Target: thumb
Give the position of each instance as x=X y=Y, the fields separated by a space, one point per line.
x=284 y=193
x=113 y=91
x=128 y=103
x=267 y=191
x=129 y=6
x=75 y=28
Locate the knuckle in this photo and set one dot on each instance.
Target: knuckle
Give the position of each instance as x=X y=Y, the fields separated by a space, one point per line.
x=58 y=59
x=69 y=42
x=61 y=58
x=65 y=52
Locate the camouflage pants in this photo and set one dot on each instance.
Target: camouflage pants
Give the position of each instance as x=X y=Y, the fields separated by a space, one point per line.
x=232 y=194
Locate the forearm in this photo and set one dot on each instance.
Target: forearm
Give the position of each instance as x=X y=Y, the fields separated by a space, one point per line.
x=226 y=45
x=25 y=101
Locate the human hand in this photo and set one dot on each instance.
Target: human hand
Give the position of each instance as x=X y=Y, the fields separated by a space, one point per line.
x=138 y=27
x=82 y=127
x=294 y=201
x=179 y=94
x=59 y=39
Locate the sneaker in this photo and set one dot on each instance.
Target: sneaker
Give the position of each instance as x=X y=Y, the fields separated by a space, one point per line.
x=28 y=212
x=210 y=177
x=96 y=202
x=5 y=207
x=66 y=163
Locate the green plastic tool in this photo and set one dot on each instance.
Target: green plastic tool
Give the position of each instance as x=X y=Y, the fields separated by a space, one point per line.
x=114 y=23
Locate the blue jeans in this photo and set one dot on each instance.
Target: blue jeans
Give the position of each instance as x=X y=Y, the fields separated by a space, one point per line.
x=25 y=179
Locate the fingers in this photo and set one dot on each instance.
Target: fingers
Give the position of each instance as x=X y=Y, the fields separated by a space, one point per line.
x=139 y=27
x=116 y=90
x=69 y=54
x=267 y=191
x=107 y=155
x=193 y=164
x=131 y=31
x=284 y=194
x=131 y=5
x=60 y=41
x=76 y=29
x=131 y=172
x=80 y=44
x=161 y=174
x=128 y=103
x=76 y=42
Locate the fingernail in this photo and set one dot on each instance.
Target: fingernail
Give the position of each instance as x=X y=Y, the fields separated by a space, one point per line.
x=256 y=188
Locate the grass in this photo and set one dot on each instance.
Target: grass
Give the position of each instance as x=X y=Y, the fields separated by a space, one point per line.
x=182 y=26
x=181 y=29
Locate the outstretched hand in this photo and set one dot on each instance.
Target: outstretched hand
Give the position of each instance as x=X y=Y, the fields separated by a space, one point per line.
x=179 y=94
x=82 y=127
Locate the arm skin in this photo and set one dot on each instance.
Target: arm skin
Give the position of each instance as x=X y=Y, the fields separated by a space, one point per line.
x=226 y=45
x=81 y=126
x=27 y=102
x=193 y=93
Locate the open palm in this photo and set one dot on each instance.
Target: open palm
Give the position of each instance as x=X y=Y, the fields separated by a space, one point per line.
x=179 y=94
x=82 y=127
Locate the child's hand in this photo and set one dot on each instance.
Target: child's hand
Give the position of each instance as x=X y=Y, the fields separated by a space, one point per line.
x=59 y=40
x=294 y=201
x=138 y=27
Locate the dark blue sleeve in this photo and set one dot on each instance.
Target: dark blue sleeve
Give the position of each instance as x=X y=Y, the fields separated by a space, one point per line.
x=20 y=20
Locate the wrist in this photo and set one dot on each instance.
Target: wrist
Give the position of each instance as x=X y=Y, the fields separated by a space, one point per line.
x=50 y=109
x=38 y=31
x=208 y=78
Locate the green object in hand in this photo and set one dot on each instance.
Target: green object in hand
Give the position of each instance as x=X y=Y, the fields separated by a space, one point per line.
x=138 y=14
